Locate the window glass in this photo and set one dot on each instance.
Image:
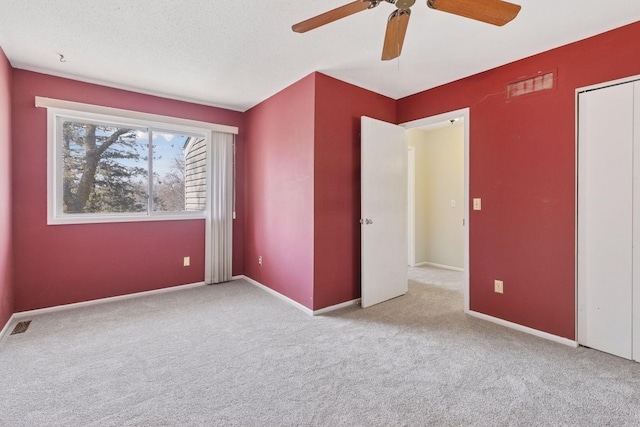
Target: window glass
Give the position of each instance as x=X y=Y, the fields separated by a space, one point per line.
x=169 y=172
x=105 y=168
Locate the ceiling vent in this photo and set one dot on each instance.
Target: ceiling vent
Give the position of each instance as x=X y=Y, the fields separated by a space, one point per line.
x=540 y=82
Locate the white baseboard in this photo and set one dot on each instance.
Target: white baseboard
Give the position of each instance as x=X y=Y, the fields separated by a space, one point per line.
x=433 y=264
x=297 y=304
x=7 y=326
x=524 y=329
x=336 y=307
x=28 y=313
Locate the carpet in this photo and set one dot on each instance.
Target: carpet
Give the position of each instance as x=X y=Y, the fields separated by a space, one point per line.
x=234 y=355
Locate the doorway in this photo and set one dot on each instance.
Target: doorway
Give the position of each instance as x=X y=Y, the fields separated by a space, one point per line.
x=384 y=173
x=436 y=193
x=451 y=209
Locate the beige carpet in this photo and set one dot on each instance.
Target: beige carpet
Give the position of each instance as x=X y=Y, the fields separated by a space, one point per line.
x=234 y=355
x=443 y=278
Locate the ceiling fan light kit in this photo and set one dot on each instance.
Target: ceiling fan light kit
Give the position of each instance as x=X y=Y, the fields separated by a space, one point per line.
x=495 y=12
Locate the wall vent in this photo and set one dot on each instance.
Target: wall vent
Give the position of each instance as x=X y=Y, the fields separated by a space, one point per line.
x=531 y=85
x=21 y=327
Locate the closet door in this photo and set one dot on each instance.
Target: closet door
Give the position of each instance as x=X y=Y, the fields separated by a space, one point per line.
x=605 y=219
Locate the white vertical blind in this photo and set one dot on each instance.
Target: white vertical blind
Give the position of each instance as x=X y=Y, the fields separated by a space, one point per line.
x=221 y=206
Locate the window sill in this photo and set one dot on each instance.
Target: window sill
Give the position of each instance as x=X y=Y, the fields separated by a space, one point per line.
x=108 y=219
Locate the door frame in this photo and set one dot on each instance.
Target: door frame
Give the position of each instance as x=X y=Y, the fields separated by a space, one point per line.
x=411 y=229
x=463 y=113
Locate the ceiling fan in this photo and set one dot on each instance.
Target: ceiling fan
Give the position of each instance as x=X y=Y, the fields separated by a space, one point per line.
x=495 y=12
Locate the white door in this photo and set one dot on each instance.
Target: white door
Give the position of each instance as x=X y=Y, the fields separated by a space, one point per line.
x=605 y=219
x=383 y=211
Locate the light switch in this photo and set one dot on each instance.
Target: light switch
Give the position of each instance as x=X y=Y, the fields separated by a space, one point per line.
x=453 y=203
x=477 y=204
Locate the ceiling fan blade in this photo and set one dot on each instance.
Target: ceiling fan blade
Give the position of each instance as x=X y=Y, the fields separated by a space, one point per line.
x=332 y=15
x=396 y=30
x=496 y=12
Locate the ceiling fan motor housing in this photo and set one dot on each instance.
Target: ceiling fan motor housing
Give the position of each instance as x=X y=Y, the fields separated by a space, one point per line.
x=404 y=4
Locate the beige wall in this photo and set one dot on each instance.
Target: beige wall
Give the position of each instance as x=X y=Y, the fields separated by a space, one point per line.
x=439 y=179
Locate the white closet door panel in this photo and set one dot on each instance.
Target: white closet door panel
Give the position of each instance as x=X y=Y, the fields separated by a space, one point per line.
x=636 y=224
x=605 y=212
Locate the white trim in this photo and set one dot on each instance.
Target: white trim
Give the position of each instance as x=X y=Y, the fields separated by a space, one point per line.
x=7 y=326
x=64 y=307
x=411 y=205
x=296 y=304
x=336 y=307
x=465 y=114
x=607 y=84
x=443 y=117
x=60 y=104
x=418 y=264
x=575 y=211
x=442 y=266
x=106 y=218
x=525 y=329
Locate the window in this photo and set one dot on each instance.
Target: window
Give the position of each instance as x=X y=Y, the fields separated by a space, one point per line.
x=107 y=169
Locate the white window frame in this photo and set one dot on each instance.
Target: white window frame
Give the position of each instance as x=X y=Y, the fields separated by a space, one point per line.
x=123 y=118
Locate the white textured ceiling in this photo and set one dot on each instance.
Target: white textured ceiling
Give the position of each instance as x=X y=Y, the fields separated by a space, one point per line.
x=235 y=54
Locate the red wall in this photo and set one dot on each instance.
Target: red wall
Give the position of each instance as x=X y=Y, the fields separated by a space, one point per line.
x=339 y=106
x=303 y=189
x=6 y=279
x=279 y=192
x=298 y=171
x=71 y=263
x=522 y=165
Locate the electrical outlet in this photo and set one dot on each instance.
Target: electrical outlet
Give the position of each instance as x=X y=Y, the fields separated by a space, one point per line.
x=187 y=261
x=477 y=204
x=498 y=286
x=259 y=260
